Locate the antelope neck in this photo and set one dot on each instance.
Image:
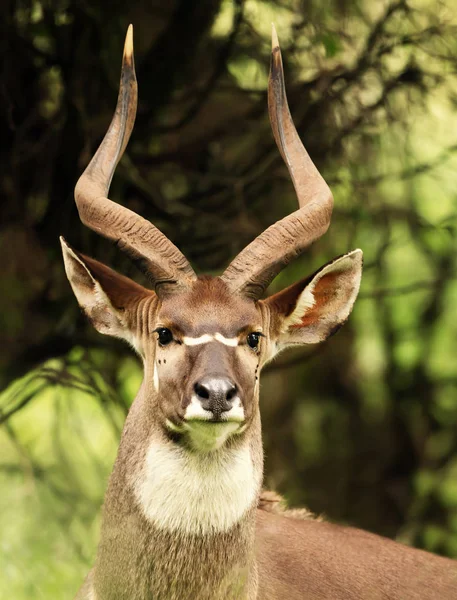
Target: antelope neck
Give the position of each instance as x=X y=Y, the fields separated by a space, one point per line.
x=196 y=515
x=179 y=489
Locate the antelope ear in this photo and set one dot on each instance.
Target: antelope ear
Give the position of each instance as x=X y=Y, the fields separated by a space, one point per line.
x=105 y=296
x=313 y=309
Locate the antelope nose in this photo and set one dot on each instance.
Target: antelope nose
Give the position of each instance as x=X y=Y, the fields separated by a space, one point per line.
x=216 y=394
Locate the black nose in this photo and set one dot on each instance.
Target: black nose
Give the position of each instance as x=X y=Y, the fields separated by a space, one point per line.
x=216 y=394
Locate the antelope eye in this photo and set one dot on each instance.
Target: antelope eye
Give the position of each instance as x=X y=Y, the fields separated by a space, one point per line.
x=165 y=336
x=253 y=340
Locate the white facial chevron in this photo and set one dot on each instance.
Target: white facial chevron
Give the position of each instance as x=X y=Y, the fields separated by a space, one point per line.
x=209 y=337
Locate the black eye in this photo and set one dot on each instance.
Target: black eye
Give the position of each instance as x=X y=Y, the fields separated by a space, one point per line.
x=165 y=335
x=253 y=339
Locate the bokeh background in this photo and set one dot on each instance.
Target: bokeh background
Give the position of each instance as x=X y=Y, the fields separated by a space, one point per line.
x=362 y=428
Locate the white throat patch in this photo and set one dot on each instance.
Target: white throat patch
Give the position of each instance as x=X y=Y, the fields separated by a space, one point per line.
x=183 y=491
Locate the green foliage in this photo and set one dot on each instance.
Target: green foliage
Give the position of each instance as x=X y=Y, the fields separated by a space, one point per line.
x=363 y=428
x=57 y=453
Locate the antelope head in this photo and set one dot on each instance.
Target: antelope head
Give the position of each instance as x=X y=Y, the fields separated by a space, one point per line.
x=204 y=340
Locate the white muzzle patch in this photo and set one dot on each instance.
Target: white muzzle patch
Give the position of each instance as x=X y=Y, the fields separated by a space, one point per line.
x=206 y=435
x=196 y=412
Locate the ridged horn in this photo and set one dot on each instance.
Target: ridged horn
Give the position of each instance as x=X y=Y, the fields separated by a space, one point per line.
x=166 y=267
x=255 y=267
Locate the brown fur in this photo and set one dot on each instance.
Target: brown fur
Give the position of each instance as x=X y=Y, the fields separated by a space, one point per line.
x=309 y=560
x=272 y=502
x=271 y=553
x=137 y=561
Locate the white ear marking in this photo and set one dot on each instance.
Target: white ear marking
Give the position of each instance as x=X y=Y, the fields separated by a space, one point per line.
x=82 y=298
x=324 y=303
x=87 y=299
x=306 y=299
x=305 y=302
x=93 y=299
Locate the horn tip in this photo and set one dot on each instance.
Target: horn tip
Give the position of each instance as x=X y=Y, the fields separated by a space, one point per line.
x=274 y=38
x=276 y=61
x=128 y=46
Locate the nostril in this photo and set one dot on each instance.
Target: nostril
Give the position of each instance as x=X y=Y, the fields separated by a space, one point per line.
x=215 y=394
x=201 y=391
x=231 y=393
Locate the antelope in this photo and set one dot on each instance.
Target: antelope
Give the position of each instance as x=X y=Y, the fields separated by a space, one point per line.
x=184 y=516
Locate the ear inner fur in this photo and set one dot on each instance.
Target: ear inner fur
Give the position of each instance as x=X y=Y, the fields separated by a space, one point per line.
x=313 y=309
x=109 y=299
